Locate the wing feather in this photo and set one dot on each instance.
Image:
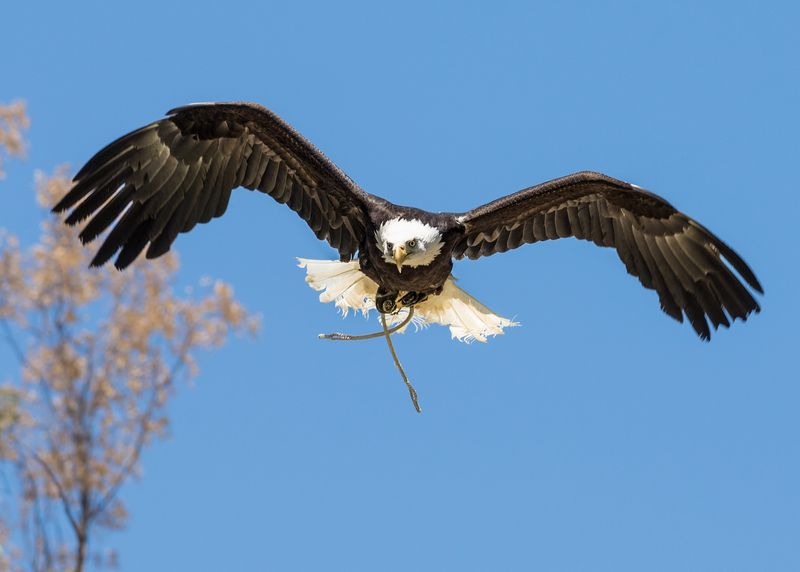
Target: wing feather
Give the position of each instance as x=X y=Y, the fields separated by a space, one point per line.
x=107 y=214
x=165 y=177
x=690 y=269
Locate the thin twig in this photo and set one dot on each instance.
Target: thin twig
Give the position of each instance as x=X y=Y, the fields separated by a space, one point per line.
x=387 y=333
x=141 y=437
x=348 y=337
x=62 y=494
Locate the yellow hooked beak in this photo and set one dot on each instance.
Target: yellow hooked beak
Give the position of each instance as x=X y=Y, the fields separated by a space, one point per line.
x=400 y=255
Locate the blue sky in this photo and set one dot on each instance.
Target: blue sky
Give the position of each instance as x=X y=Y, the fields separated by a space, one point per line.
x=601 y=435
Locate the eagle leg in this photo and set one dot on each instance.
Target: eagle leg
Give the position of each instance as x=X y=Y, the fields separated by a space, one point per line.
x=385 y=301
x=390 y=302
x=412 y=298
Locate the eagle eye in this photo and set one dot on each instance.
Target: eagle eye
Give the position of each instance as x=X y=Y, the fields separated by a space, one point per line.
x=390 y=246
x=411 y=243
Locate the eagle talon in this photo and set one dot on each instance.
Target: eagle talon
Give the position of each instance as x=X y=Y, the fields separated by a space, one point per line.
x=386 y=302
x=387 y=306
x=412 y=298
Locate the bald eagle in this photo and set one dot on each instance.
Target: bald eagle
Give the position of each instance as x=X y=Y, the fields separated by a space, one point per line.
x=164 y=178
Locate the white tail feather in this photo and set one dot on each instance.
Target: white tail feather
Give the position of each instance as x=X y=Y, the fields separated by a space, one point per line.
x=351 y=289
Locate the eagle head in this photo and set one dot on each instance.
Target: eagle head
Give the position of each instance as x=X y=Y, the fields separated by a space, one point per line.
x=407 y=242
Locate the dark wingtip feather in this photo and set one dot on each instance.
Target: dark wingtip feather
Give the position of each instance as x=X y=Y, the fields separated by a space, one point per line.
x=697 y=317
x=740 y=266
x=114 y=148
x=99 y=260
x=74 y=219
x=134 y=245
x=85 y=239
x=122 y=263
x=157 y=249
x=732 y=257
x=75 y=194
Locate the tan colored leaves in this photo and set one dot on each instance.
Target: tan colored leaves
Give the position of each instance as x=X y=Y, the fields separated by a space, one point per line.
x=13 y=121
x=99 y=352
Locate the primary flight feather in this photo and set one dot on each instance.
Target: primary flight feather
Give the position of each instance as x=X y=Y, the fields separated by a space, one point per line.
x=158 y=181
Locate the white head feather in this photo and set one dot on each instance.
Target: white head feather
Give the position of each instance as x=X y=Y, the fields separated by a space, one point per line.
x=399 y=231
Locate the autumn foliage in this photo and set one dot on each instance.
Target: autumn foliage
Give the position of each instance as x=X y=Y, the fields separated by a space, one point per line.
x=13 y=121
x=99 y=352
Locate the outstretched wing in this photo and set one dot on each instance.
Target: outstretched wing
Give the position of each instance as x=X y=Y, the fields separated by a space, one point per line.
x=166 y=177
x=668 y=251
